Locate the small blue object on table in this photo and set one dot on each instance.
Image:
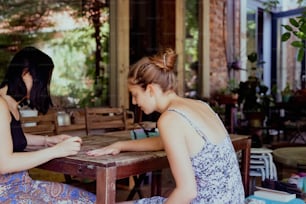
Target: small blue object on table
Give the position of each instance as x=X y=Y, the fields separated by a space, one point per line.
x=252 y=200
x=143 y=133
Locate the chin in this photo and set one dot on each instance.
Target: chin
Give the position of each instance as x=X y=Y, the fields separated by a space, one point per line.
x=147 y=112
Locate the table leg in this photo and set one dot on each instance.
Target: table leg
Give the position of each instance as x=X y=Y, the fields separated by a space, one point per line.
x=106 y=185
x=246 y=168
x=156 y=183
x=136 y=189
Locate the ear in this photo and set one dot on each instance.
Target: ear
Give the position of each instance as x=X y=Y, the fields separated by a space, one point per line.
x=151 y=89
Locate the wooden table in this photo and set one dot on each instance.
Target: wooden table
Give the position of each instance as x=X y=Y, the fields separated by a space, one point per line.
x=292 y=157
x=243 y=143
x=108 y=168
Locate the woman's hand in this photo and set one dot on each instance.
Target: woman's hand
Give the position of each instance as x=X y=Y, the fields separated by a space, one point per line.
x=70 y=146
x=112 y=149
x=53 y=140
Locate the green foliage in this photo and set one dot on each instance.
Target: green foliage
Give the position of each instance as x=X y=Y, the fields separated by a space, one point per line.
x=192 y=31
x=73 y=51
x=72 y=55
x=297 y=28
x=268 y=5
x=287 y=91
x=256 y=65
x=74 y=73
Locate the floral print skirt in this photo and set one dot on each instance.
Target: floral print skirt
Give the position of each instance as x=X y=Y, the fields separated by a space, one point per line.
x=152 y=200
x=20 y=188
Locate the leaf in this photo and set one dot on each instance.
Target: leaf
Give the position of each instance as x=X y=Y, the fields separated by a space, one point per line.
x=303 y=28
x=286 y=36
x=252 y=57
x=287 y=27
x=294 y=22
x=300 y=54
x=300 y=35
x=295 y=33
x=298 y=44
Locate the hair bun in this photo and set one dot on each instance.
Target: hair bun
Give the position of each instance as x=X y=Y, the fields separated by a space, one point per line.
x=165 y=59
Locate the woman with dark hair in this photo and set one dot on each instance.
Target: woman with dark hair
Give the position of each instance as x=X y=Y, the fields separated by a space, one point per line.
x=199 y=150
x=27 y=79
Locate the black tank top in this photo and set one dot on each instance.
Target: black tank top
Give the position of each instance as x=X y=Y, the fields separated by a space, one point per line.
x=18 y=137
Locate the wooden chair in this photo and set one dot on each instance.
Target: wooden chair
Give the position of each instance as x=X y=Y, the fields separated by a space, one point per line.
x=41 y=124
x=105 y=118
x=130 y=120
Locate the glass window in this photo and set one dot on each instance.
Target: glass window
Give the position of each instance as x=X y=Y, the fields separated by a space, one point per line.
x=191 y=49
x=255 y=40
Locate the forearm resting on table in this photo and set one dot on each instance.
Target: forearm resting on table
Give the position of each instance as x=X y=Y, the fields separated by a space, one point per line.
x=147 y=144
x=41 y=140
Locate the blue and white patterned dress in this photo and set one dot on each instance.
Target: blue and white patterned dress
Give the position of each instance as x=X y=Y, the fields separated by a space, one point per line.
x=216 y=171
x=20 y=188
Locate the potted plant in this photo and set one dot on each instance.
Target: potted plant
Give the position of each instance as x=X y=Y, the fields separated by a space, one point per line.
x=286 y=93
x=252 y=95
x=228 y=93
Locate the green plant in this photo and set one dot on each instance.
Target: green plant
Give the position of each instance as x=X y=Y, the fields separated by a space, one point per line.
x=297 y=28
x=287 y=90
x=252 y=94
x=231 y=88
x=286 y=93
x=269 y=5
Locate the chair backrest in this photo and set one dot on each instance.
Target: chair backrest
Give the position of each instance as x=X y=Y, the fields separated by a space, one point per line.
x=105 y=118
x=40 y=124
x=130 y=120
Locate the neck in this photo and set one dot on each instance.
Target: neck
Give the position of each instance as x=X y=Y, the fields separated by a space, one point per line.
x=167 y=101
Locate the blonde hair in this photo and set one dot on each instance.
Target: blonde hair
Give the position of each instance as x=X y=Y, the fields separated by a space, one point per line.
x=158 y=69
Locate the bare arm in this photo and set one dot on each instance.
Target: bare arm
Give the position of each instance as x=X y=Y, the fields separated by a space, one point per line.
x=44 y=140
x=147 y=144
x=174 y=140
x=17 y=161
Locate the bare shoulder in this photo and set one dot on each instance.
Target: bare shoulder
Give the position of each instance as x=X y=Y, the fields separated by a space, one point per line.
x=171 y=127
x=3 y=103
x=4 y=109
x=171 y=124
x=168 y=118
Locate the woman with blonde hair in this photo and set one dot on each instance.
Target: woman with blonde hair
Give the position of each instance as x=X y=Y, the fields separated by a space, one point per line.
x=199 y=149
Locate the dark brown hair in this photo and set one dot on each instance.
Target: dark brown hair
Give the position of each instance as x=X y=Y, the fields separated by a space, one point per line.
x=157 y=69
x=40 y=66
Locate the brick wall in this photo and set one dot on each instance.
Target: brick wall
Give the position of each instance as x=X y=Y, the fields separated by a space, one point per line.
x=218 y=39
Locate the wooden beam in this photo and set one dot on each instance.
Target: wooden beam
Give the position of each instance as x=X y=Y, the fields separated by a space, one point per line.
x=119 y=52
x=179 y=43
x=204 y=44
